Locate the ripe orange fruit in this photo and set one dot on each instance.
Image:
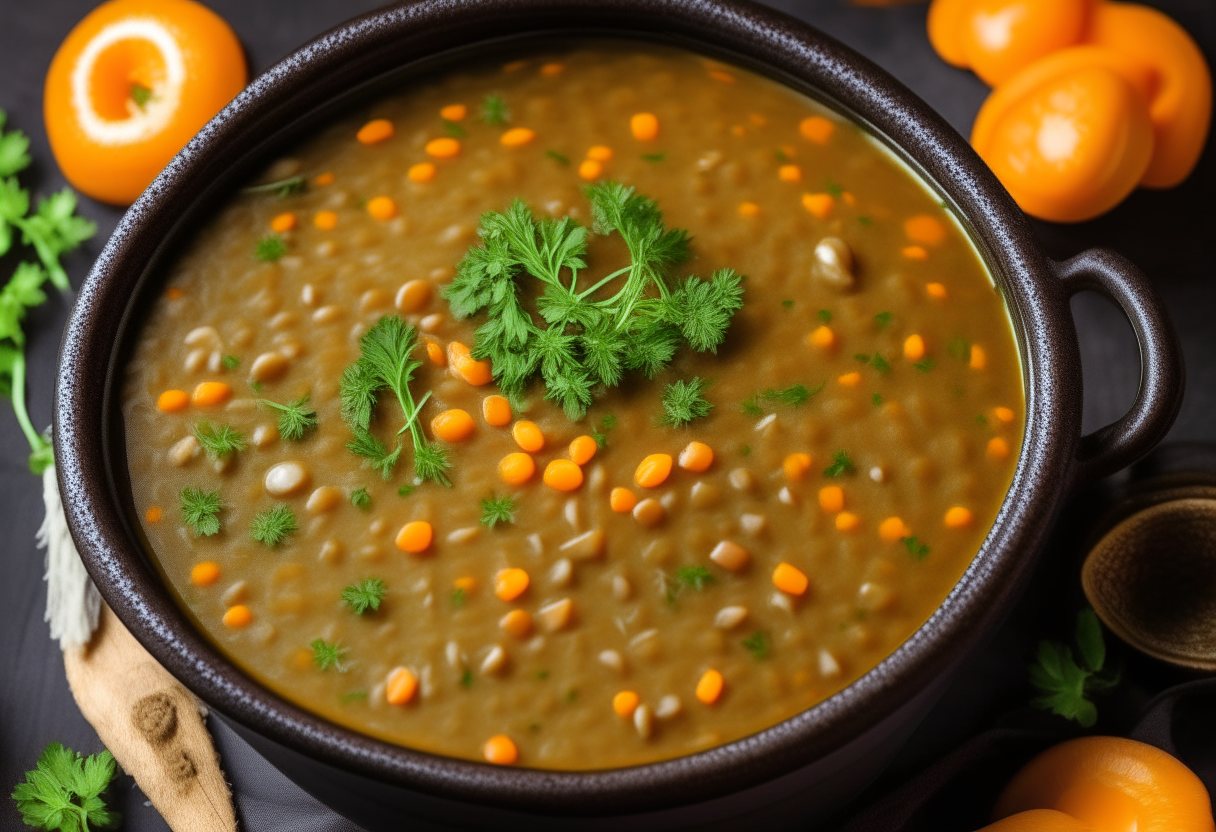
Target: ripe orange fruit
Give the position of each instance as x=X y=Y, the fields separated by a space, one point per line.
x=130 y=85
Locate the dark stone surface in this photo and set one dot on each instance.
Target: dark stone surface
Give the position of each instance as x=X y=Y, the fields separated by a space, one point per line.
x=1168 y=234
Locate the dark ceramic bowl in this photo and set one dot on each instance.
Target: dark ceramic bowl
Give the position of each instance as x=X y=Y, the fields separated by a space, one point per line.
x=805 y=766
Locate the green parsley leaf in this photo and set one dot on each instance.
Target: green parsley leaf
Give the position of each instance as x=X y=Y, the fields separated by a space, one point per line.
x=451 y=128
x=880 y=364
x=959 y=347
x=405 y=490
x=1066 y=688
x=560 y=158
x=781 y=155
x=64 y=793
x=273 y=526
x=14 y=145
x=494 y=110
x=926 y=365
x=495 y=510
x=825 y=315
x=882 y=319
x=231 y=362
x=295 y=418
x=654 y=157
x=794 y=395
x=915 y=548
x=458 y=598
x=876 y=400
x=270 y=248
x=981 y=419
x=359 y=498
x=833 y=188
x=327 y=655
x=864 y=220
x=751 y=407
x=841 y=465
x=385 y=364
x=466 y=679
x=219 y=441
x=787 y=304
x=758 y=644
x=694 y=577
x=200 y=511
x=365 y=595
x=282 y=188
x=683 y=402
x=745 y=450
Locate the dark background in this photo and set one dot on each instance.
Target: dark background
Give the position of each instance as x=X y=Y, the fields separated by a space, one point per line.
x=1169 y=234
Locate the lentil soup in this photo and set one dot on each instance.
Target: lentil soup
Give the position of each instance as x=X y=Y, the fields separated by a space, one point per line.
x=624 y=568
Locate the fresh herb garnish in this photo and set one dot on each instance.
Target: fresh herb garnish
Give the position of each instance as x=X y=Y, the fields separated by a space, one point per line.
x=295 y=418
x=880 y=364
x=882 y=319
x=787 y=304
x=653 y=157
x=751 y=407
x=560 y=158
x=255 y=386
x=52 y=230
x=781 y=155
x=1064 y=685
x=405 y=490
x=694 y=577
x=273 y=526
x=841 y=465
x=219 y=441
x=270 y=248
x=231 y=362
x=63 y=793
x=494 y=110
x=495 y=510
x=864 y=220
x=282 y=188
x=328 y=655
x=864 y=358
x=745 y=450
x=876 y=400
x=683 y=402
x=608 y=422
x=200 y=511
x=451 y=128
x=587 y=339
x=981 y=419
x=385 y=364
x=542 y=674
x=365 y=595
x=758 y=645
x=959 y=347
x=352 y=696
x=833 y=188
x=466 y=679
x=915 y=548
x=359 y=498
x=141 y=95
x=458 y=598
x=825 y=315
x=794 y=395
x=926 y=365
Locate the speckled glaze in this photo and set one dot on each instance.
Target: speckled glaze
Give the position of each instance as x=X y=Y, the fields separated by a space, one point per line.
x=812 y=762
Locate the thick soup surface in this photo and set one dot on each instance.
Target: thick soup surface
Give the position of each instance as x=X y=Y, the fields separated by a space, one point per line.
x=866 y=418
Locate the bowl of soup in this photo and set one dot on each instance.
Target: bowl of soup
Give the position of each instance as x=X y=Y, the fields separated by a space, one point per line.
x=578 y=412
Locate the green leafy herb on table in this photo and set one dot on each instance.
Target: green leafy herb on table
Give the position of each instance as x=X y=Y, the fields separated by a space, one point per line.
x=385 y=364
x=1066 y=686
x=64 y=793
x=841 y=465
x=683 y=402
x=591 y=335
x=52 y=230
x=295 y=418
x=495 y=510
x=365 y=595
x=273 y=526
x=327 y=655
x=219 y=441
x=201 y=511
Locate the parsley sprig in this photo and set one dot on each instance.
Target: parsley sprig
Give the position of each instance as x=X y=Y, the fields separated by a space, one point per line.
x=64 y=792
x=52 y=230
x=683 y=402
x=1066 y=686
x=201 y=511
x=295 y=418
x=219 y=440
x=495 y=510
x=273 y=526
x=385 y=364
x=328 y=655
x=595 y=334
x=841 y=465
x=365 y=595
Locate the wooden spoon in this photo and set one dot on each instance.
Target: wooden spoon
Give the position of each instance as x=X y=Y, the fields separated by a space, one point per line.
x=152 y=725
x=1152 y=579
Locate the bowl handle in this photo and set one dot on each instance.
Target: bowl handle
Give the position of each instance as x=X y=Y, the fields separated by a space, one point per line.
x=1162 y=373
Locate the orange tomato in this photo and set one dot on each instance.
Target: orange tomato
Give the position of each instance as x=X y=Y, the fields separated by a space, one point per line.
x=1107 y=783
x=1039 y=820
x=1180 y=104
x=1069 y=145
x=947 y=25
x=1001 y=37
x=130 y=85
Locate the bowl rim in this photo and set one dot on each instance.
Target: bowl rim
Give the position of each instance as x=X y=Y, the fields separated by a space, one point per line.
x=371 y=45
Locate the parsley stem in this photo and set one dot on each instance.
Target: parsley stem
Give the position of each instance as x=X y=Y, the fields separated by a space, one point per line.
x=612 y=276
x=37 y=443
x=413 y=417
